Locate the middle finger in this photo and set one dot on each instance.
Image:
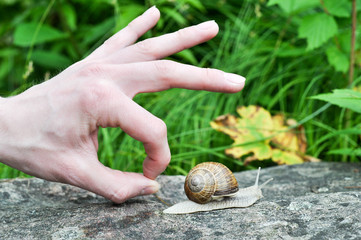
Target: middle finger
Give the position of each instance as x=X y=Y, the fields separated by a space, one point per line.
x=159 y=75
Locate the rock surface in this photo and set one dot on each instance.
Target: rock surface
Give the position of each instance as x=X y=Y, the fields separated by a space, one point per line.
x=309 y=201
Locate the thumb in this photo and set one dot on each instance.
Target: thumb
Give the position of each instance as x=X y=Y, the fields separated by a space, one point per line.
x=118 y=186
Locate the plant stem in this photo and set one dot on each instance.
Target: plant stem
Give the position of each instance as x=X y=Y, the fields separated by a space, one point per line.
x=324 y=7
x=41 y=22
x=351 y=70
x=353 y=39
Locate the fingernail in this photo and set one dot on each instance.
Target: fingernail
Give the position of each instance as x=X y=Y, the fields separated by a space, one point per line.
x=153 y=188
x=206 y=25
x=234 y=78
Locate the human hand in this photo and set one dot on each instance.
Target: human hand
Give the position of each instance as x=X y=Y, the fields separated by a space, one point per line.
x=50 y=130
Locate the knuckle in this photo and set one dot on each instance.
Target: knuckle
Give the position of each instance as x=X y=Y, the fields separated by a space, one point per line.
x=212 y=74
x=145 y=47
x=158 y=130
x=91 y=69
x=184 y=33
x=161 y=128
x=117 y=39
x=183 y=36
x=164 y=68
x=211 y=77
x=132 y=28
x=117 y=196
x=167 y=159
x=93 y=94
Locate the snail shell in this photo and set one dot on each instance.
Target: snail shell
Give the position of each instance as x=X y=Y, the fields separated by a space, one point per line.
x=208 y=181
x=244 y=197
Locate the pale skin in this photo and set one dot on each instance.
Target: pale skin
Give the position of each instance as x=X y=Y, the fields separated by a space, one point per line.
x=50 y=131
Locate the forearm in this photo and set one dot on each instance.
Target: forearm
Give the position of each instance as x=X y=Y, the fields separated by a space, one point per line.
x=3 y=129
x=2 y=122
x=23 y=143
x=13 y=124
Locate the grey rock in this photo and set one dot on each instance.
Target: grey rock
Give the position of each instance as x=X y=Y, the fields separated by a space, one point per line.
x=308 y=201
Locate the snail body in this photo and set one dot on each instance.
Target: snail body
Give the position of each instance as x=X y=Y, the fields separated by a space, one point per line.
x=229 y=196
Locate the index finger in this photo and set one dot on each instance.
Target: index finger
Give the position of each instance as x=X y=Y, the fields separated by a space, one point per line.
x=129 y=34
x=166 y=45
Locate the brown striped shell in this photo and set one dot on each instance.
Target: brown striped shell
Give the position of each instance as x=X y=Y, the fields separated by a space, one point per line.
x=209 y=180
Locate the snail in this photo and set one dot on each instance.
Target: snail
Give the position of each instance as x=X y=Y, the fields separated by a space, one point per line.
x=212 y=186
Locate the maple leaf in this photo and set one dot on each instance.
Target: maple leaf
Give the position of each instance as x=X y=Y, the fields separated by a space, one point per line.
x=286 y=138
x=262 y=136
x=246 y=132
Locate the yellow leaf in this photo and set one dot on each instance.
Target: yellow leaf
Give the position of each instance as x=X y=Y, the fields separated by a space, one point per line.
x=251 y=132
x=293 y=140
x=283 y=157
x=261 y=150
x=226 y=124
x=257 y=120
x=259 y=136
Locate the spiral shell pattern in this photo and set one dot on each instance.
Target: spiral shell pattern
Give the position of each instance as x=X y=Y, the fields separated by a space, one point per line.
x=209 y=180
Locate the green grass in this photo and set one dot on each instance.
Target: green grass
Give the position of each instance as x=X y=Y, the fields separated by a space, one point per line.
x=278 y=80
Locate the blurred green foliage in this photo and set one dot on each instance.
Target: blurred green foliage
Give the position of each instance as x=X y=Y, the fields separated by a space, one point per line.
x=289 y=50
